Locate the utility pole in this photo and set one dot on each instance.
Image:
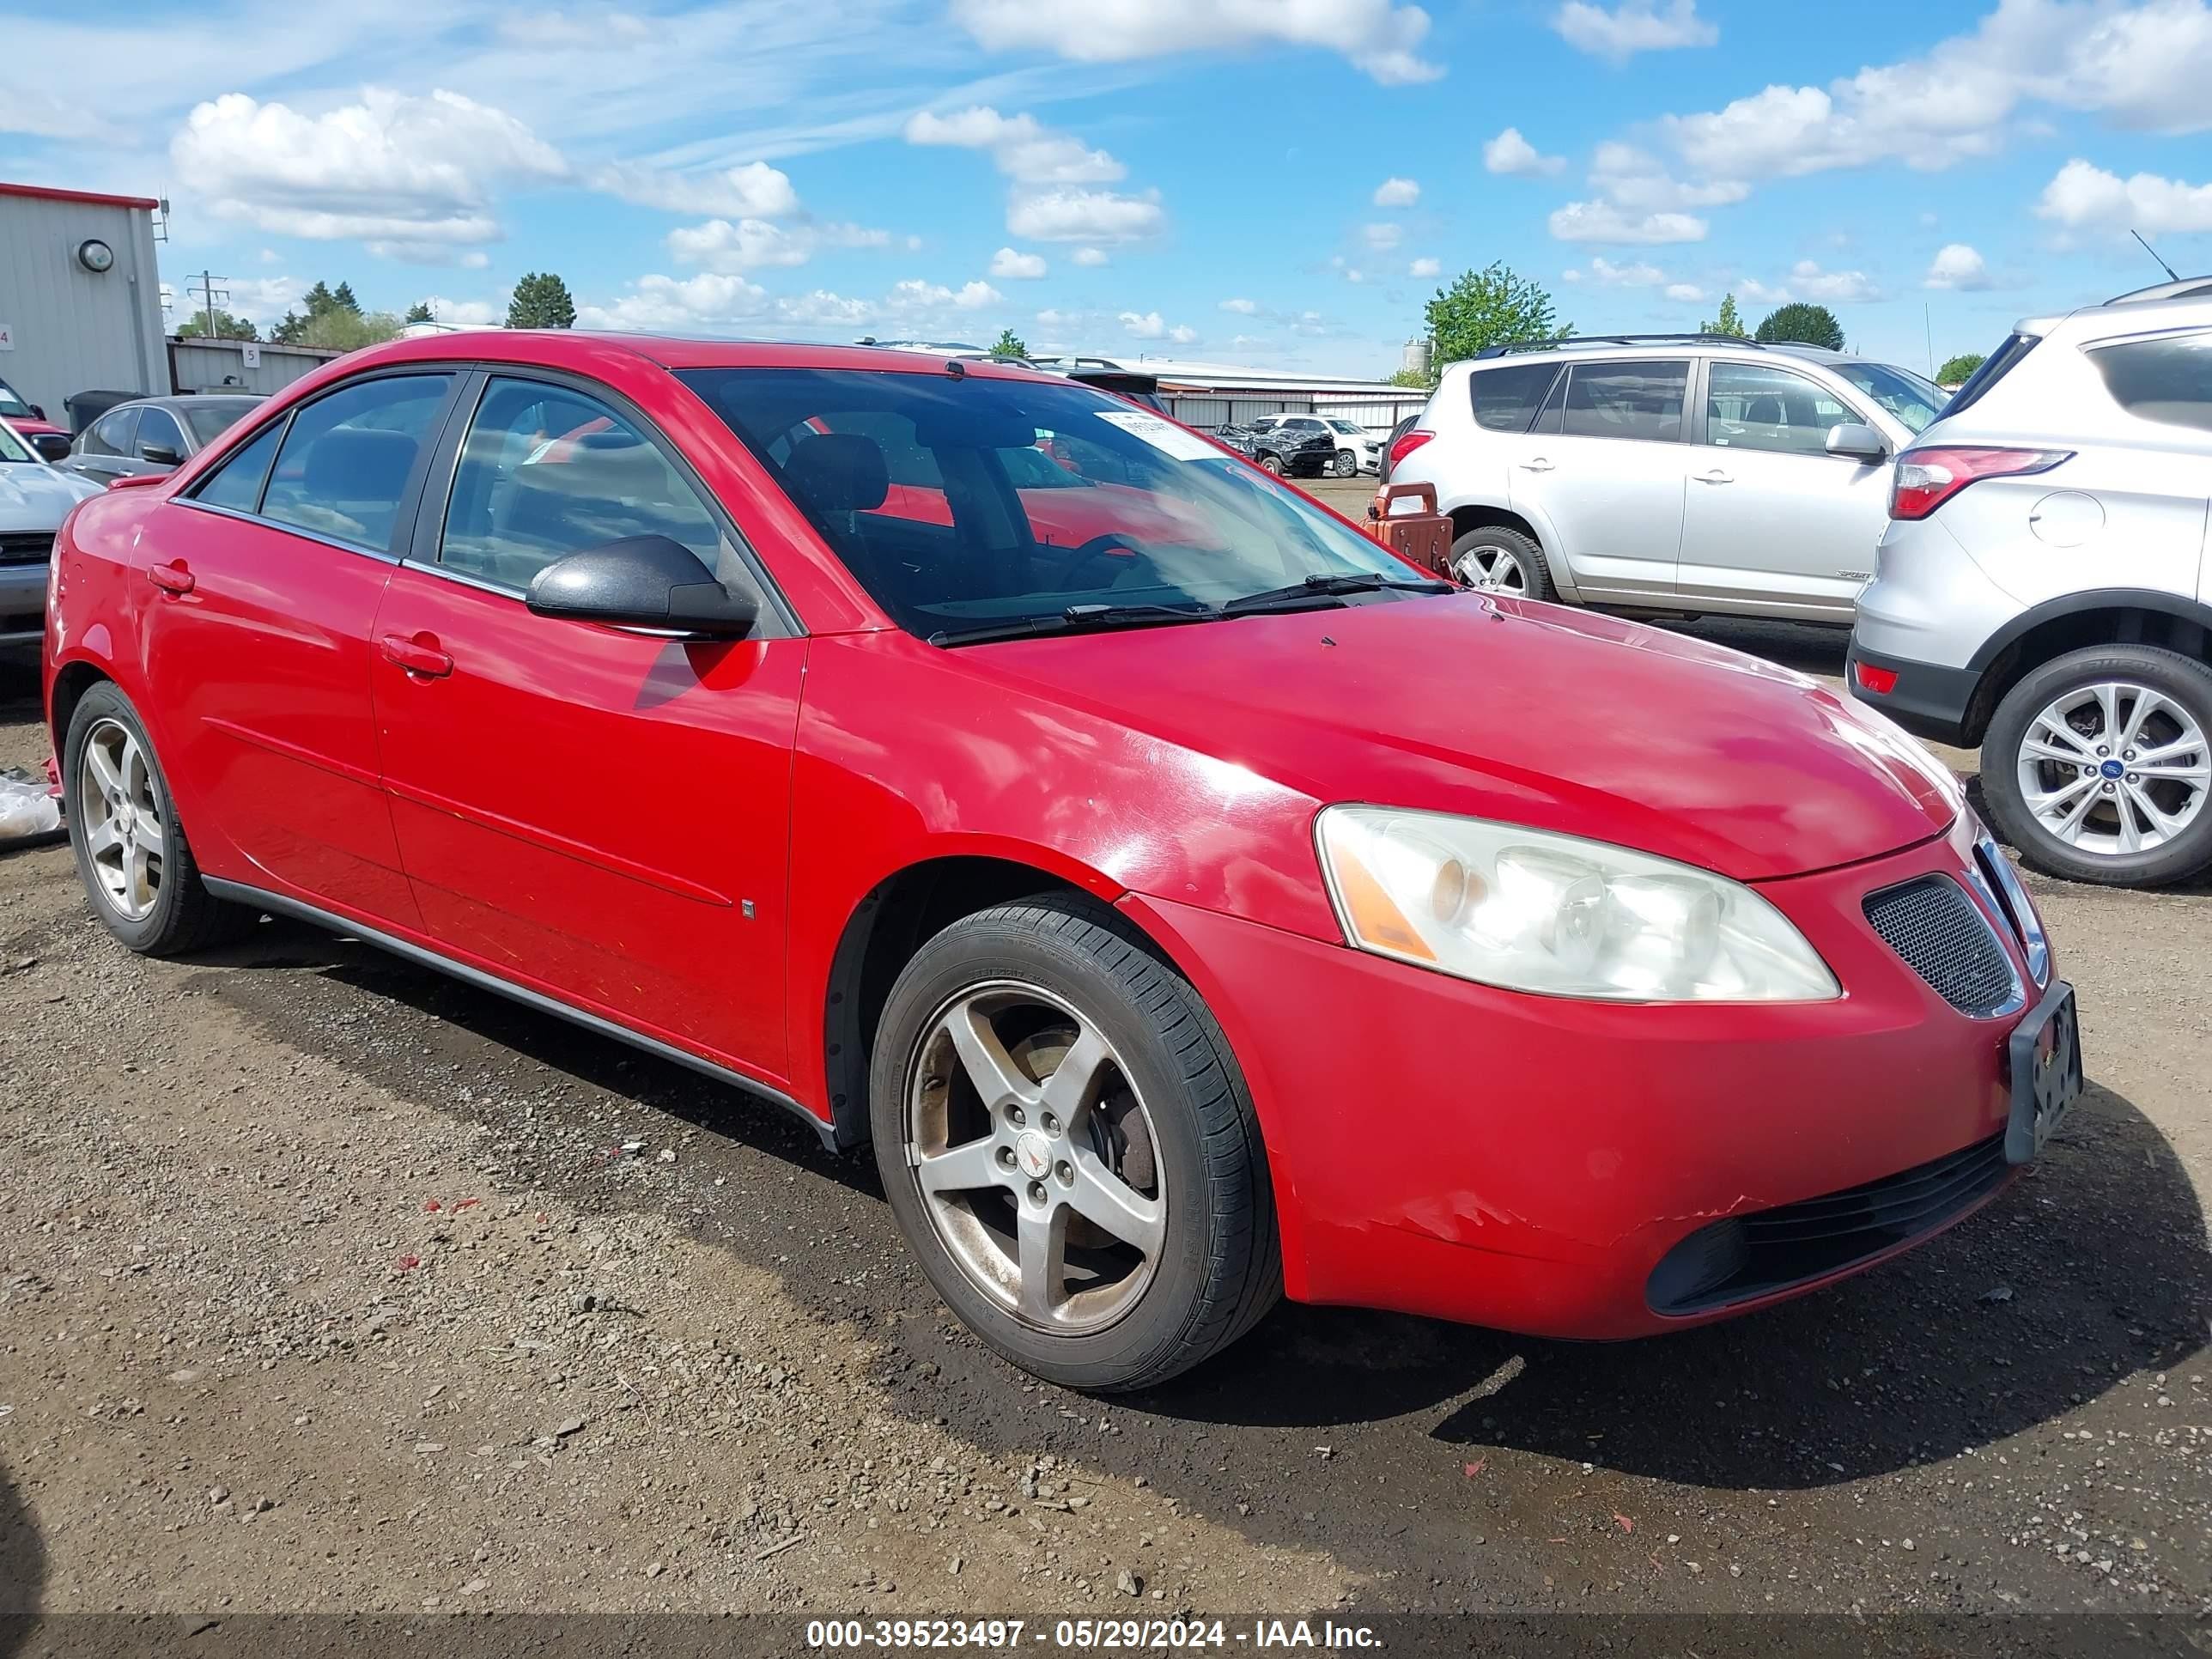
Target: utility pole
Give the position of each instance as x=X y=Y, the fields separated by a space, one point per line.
x=209 y=294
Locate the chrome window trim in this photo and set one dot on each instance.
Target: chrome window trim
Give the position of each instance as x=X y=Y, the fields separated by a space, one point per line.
x=278 y=524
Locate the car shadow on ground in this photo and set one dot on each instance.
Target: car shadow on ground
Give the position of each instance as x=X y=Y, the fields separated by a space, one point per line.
x=22 y=1567
x=2089 y=1269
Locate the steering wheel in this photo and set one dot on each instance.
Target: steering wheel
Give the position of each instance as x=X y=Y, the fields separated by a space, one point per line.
x=1098 y=547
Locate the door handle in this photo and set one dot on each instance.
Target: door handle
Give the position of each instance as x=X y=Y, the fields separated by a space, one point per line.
x=1536 y=463
x=1714 y=477
x=173 y=578
x=415 y=657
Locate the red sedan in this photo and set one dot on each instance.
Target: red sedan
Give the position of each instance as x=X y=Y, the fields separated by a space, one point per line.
x=1216 y=909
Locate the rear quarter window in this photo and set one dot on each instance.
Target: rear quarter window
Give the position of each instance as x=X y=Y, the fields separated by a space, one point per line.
x=2168 y=380
x=1506 y=399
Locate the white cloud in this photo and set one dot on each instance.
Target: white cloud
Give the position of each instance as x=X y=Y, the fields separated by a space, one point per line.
x=1807 y=281
x=2083 y=196
x=1603 y=270
x=1241 y=307
x=1603 y=223
x=1634 y=178
x=1958 y=266
x=1380 y=38
x=575 y=31
x=1395 y=193
x=467 y=314
x=1382 y=237
x=410 y=176
x=1631 y=26
x=1690 y=292
x=754 y=244
x=1050 y=199
x=1007 y=263
x=1091 y=257
x=755 y=191
x=257 y=299
x=969 y=296
x=710 y=300
x=1424 y=268
x=725 y=301
x=1150 y=326
x=2143 y=66
x=1085 y=215
x=1510 y=152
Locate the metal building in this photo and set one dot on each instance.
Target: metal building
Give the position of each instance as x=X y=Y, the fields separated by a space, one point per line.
x=203 y=365
x=79 y=296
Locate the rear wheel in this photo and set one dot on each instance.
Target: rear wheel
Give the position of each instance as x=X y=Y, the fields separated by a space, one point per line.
x=1070 y=1149
x=2099 y=768
x=1501 y=561
x=131 y=853
x=1345 y=465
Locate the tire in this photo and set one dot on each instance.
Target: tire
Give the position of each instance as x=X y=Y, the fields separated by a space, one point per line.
x=1271 y=463
x=179 y=914
x=2068 y=689
x=1494 y=545
x=1169 y=1122
x=1345 y=465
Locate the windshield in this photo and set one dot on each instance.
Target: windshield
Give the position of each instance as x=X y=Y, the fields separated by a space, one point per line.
x=13 y=449
x=13 y=407
x=210 y=419
x=1347 y=426
x=1914 y=401
x=960 y=502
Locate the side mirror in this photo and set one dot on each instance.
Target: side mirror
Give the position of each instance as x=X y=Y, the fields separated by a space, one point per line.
x=643 y=581
x=160 y=455
x=1857 y=441
x=50 y=445
x=38 y=411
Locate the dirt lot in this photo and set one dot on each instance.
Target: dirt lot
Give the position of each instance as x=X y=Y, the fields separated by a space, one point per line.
x=328 y=1283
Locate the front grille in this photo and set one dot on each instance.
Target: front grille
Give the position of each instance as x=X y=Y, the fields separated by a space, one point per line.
x=1945 y=939
x=27 y=546
x=1770 y=1251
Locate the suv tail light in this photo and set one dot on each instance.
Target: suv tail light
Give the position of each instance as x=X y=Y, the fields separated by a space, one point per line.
x=1407 y=443
x=1926 y=478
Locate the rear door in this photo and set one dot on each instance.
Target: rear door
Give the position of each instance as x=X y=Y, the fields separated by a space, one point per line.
x=598 y=813
x=103 y=450
x=1771 y=521
x=1602 y=470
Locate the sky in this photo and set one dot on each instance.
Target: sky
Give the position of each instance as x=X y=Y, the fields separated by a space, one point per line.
x=1277 y=183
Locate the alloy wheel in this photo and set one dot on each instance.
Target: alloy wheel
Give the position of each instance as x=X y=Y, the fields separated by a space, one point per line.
x=2114 y=767
x=1035 y=1158
x=1492 y=567
x=124 y=822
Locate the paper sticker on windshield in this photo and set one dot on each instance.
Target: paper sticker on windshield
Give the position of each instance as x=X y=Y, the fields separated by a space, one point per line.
x=1163 y=435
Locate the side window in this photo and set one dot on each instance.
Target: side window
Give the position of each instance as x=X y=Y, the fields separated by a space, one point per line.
x=111 y=435
x=1550 y=418
x=238 y=480
x=1750 y=406
x=1626 y=400
x=2168 y=380
x=345 y=462
x=545 y=471
x=1505 y=399
x=158 y=430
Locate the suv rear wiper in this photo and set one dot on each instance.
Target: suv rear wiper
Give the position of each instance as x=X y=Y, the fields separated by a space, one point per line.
x=1076 y=619
x=1320 y=587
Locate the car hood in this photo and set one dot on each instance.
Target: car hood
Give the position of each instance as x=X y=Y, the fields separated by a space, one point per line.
x=39 y=496
x=1525 y=713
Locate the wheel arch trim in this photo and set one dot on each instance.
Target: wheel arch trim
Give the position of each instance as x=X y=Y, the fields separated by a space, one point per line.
x=2088 y=603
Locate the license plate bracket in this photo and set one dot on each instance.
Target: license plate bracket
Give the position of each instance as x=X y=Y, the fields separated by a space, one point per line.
x=2046 y=1051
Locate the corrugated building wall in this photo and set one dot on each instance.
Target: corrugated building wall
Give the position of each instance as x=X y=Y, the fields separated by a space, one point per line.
x=220 y=366
x=72 y=328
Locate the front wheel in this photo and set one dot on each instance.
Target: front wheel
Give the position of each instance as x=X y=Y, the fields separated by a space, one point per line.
x=1070 y=1148
x=1345 y=465
x=2097 y=767
x=1501 y=561
x=1271 y=464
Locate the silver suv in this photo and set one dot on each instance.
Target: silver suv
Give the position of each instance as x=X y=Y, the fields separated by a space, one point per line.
x=2042 y=589
x=1687 y=473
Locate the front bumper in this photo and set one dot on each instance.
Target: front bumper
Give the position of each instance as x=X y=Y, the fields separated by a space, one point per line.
x=1527 y=1163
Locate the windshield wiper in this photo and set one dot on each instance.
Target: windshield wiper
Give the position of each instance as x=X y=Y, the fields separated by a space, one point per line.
x=1322 y=587
x=1075 y=619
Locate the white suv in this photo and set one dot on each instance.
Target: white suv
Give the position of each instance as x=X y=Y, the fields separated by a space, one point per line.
x=2043 y=589
x=1689 y=473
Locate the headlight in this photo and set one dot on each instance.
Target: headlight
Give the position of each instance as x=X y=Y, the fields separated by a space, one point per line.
x=1528 y=910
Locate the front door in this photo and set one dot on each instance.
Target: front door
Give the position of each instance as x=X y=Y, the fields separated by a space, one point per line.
x=104 y=451
x=1773 y=523
x=257 y=604
x=1602 y=472
x=598 y=813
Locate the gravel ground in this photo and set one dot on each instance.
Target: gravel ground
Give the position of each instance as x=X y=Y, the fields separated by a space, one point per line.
x=328 y=1283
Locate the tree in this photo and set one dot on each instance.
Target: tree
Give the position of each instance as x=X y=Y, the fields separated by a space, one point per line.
x=420 y=312
x=1009 y=344
x=1806 y=325
x=1729 y=322
x=336 y=329
x=342 y=297
x=1409 y=377
x=1484 y=307
x=226 y=327
x=541 y=301
x=1955 y=369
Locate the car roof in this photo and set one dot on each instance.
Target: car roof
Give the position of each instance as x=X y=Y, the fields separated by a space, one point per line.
x=579 y=350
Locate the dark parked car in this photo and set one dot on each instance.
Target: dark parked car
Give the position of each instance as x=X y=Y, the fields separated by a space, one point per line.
x=153 y=435
x=30 y=424
x=1300 y=445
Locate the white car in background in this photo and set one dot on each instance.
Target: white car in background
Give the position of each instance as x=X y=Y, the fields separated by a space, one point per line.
x=1667 y=473
x=35 y=496
x=1357 y=450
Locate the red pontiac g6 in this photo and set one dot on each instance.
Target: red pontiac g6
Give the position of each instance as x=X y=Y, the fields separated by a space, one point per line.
x=1213 y=908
